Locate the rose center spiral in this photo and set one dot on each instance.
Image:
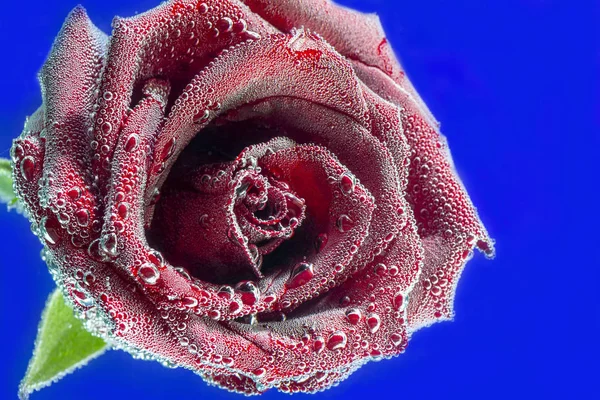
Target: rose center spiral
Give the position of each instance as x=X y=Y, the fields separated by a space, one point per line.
x=221 y=219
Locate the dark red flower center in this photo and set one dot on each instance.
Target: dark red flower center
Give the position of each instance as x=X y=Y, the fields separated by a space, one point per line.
x=219 y=216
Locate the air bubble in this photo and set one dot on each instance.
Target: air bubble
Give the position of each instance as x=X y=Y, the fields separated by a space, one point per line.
x=27 y=168
x=396 y=339
x=373 y=322
x=149 y=273
x=321 y=242
x=347 y=183
x=108 y=244
x=123 y=210
x=225 y=292
x=344 y=223
x=132 y=142
x=398 y=300
x=201 y=117
x=189 y=302
x=49 y=230
x=301 y=274
x=82 y=298
x=353 y=315
x=337 y=340
x=318 y=344
x=83 y=217
x=249 y=292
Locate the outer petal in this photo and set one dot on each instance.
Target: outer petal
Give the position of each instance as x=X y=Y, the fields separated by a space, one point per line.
x=448 y=223
x=172 y=41
x=357 y=36
x=69 y=100
x=446 y=219
x=28 y=153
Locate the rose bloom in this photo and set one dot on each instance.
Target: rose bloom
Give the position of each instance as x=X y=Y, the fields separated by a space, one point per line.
x=250 y=189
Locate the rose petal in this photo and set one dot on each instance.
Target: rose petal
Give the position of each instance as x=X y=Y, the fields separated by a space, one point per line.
x=353 y=145
x=233 y=382
x=447 y=221
x=355 y=35
x=28 y=153
x=321 y=339
x=163 y=42
x=329 y=77
x=66 y=120
x=300 y=66
x=449 y=227
x=308 y=170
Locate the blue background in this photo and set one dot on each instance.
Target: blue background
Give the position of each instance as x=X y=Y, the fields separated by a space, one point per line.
x=515 y=84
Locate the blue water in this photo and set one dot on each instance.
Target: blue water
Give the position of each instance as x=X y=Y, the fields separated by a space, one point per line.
x=515 y=84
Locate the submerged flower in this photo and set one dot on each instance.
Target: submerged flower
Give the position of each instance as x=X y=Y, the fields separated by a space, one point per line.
x=250 y=189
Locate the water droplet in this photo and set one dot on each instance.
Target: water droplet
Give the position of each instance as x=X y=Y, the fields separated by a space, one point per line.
x=344 y=223
x=132 y=142
x=398 y=300
x=249 y=292
x=27 y=168
x=201 y=117
x=259 y=372
x=168 y=150
x=108 y=244
x=396 y=339
x=149 y=273
x=189 y=302
x=225 y=24
x=74 y=193
x=49 y=229
x=123 y=210
x=319 y=344
x=82 y=297
x=373 y=322
x=337 y=340
x=347 y=183
x=225 y=292
x=202 y=8
x=321 y=242
x=83 y=217
x=235 y=307
x=353 y=315
x=301 y=274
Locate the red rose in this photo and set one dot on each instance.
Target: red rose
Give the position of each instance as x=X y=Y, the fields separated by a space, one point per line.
x=251 y=189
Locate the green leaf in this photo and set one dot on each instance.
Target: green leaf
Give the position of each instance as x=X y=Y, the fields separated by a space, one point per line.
x=6 y=191
x=62 y=345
